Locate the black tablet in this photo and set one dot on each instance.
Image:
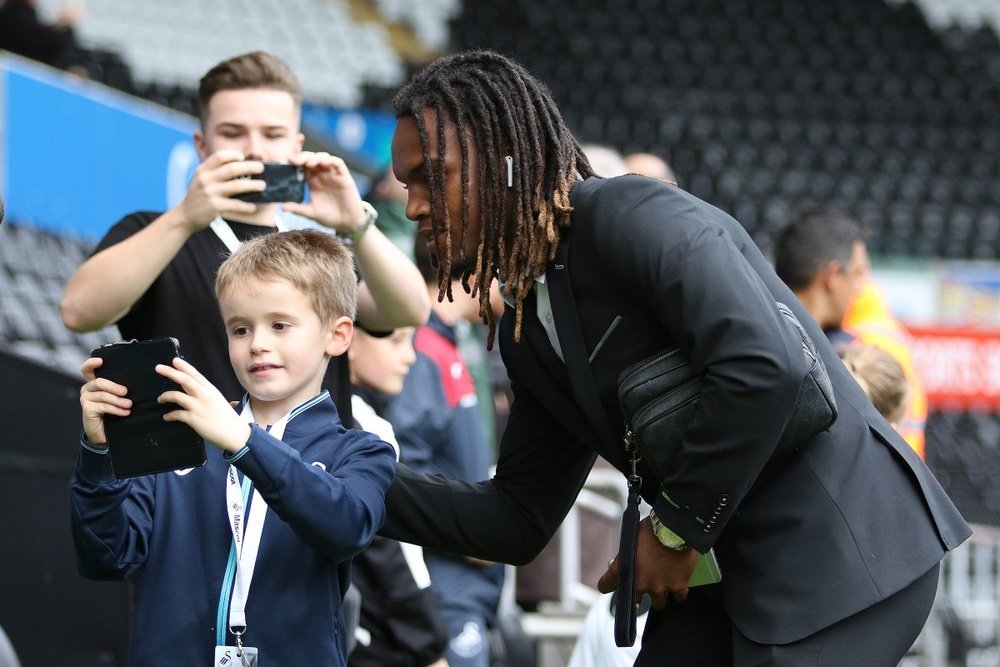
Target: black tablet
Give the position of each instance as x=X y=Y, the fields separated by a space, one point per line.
x=142 y=443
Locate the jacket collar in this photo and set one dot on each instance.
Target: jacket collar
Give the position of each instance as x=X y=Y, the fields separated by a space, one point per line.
x=436 y=324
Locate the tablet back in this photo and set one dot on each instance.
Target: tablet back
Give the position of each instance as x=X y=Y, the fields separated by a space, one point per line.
x=143 y=443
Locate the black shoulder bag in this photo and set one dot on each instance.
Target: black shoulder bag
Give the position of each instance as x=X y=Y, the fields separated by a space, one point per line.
x=658 y=396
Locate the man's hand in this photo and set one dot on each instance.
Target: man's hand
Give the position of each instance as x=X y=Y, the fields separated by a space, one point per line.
x=334 y=201
x=661 y=572
x=215 y=182
x=202 y=407
x=99 y=397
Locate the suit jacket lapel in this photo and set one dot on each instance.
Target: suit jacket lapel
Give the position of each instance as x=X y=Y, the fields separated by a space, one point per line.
x=574 y=348
x=540 y=368
x=533 y=331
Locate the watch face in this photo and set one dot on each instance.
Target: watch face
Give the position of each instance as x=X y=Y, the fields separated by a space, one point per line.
x=667 y=537
x=671 y=540
x=369 y=210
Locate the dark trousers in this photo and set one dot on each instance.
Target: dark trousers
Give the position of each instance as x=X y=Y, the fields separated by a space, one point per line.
x=699 y=633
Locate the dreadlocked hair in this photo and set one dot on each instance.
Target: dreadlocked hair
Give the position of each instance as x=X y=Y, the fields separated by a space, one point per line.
x=500 y=108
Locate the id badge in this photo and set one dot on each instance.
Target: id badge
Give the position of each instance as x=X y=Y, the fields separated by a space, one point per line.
x=231 y=656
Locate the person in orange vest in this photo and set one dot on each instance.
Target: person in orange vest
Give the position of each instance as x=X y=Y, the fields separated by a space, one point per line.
x=869 y=321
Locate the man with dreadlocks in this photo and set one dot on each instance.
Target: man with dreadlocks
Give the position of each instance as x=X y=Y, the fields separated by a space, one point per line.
x=833 y=554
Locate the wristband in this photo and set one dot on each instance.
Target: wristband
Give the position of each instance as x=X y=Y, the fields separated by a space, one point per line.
x=235 y=456
x=91 y=447
x=667 y=537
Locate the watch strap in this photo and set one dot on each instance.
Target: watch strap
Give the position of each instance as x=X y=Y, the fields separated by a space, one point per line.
x=371 y=215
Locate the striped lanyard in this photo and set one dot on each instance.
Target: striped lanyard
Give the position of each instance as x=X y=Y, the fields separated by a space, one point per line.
x=246 y=530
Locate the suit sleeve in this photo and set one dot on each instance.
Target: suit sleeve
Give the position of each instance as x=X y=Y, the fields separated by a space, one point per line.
x=110 y=519
x=507 y=519
x=679 y=257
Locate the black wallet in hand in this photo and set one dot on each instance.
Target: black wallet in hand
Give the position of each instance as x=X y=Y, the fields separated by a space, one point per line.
x=142 y=443
x=625 y=595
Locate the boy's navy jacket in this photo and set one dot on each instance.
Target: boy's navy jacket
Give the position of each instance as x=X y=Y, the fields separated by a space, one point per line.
x=169 y=533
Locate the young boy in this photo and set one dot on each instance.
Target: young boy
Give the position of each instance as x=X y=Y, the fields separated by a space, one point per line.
x=288 y=301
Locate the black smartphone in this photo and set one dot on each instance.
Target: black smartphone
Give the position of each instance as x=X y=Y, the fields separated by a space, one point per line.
x=142 y=443
x=285 y=183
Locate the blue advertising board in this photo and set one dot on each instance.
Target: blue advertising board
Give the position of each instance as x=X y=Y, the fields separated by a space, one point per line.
x=77 y=156
x=365 y=136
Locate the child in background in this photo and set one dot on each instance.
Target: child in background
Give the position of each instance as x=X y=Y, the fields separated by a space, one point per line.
x=440 y=431
x=288 y=301
x=880 y=376
x=383 y=363
x=399 y=624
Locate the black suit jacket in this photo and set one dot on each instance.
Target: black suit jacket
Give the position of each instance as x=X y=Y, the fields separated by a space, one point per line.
x=852 y=517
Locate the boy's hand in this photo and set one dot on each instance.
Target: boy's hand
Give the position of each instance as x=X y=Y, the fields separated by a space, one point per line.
x=99 y=397
x=202 y=407
x=334 y=201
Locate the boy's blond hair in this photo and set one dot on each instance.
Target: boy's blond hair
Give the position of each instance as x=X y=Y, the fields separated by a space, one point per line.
x=315 y=262
x=880 y=376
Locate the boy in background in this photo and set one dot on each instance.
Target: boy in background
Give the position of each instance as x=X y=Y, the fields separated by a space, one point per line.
x=288 y=301
x=399 y=624
x=438 y=425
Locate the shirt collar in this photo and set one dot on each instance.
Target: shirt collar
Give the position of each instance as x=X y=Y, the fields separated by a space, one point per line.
x=506 y=297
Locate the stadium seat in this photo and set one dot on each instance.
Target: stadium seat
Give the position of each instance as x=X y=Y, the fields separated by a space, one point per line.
x=34 y=267
x=168 y=43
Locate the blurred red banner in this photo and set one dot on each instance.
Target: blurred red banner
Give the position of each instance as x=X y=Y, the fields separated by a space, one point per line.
x=960 y=368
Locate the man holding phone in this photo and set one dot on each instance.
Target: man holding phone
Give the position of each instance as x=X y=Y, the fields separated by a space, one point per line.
x=152 y=273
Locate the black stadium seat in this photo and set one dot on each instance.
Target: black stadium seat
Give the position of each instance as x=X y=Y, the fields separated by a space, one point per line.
x=857 y=78
x=34 y=267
